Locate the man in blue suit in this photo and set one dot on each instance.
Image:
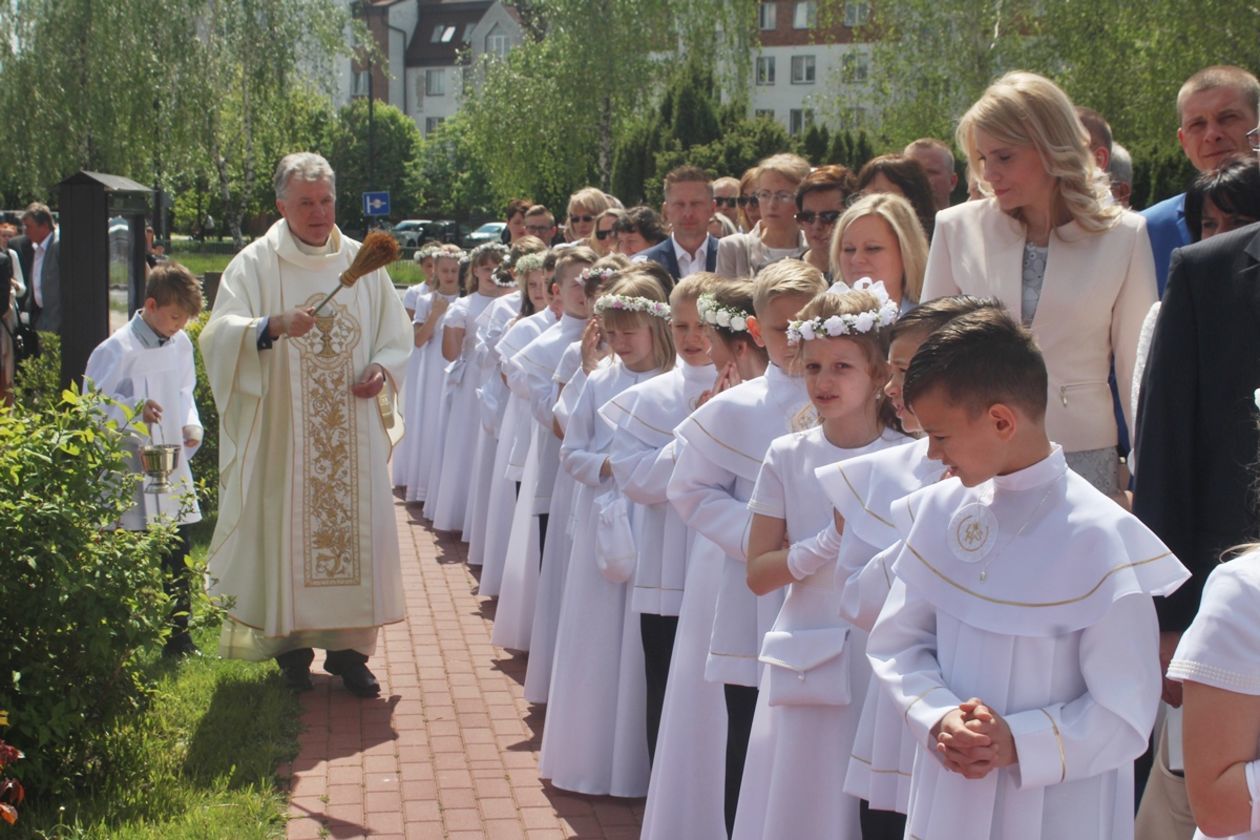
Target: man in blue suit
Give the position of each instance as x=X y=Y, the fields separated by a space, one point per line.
x=689 y=205
x=1216 y=108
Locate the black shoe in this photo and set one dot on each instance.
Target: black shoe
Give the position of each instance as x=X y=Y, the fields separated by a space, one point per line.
x=355 y=675
x=297 y=678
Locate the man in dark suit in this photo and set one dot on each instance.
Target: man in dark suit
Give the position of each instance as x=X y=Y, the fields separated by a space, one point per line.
x=689 y=205
x=1197 y=445
x=39 y=252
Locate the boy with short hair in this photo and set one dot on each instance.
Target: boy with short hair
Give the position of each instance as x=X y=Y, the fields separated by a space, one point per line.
x=150 y=361
x=1019 y=638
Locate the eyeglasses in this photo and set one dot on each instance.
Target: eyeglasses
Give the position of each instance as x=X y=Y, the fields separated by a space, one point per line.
x=573 y=220
x=601 y=235
x=767 y=197
x=1253 y=137
x=745 y=200
x=726 y=201
x=827 y=217
x=538 y=230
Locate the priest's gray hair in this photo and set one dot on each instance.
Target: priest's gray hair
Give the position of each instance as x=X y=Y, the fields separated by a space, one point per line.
x=306 y=166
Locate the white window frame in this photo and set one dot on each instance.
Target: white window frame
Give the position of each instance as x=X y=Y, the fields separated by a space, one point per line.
x=431 y=124
x=803 y=69
x=800 y=120
x=765 y=70
x=498 y=43
x=804 y=14
x=768 y=113
x=856 y=67
x=435 y=82
x=856 y=13
x=436 y=38
x=767 y=16
x=361 y=83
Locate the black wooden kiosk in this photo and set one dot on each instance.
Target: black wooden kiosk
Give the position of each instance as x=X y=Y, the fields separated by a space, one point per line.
x=88 y=201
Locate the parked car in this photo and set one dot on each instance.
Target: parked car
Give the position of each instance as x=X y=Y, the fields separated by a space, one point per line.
x=489 y=232
x=443 y=230
x=410 y=233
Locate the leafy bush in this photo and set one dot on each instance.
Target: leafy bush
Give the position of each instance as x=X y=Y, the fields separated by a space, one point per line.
x=205 y=464
x=80 y=601
x=38 y=380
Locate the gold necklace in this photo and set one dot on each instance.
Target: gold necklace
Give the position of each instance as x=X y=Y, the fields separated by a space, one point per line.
x=984 y=570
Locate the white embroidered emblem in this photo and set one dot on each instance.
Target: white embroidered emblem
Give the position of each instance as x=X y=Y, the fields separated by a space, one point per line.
x=972 y=532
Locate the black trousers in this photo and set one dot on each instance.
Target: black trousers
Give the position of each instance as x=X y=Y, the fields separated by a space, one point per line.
x=880 y=825
x=741 y=703
x=658 y=633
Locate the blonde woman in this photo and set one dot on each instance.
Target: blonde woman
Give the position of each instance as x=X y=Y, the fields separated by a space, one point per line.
x=603 y=238
x=1049 y=243
x=778 y=237
x=585 y=205
x=880 y=237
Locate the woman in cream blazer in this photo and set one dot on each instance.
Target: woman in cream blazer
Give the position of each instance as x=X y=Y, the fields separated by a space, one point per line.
x=1047 y=217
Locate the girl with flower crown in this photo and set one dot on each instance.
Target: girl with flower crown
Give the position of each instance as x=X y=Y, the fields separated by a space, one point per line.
x=459 y=336
x=597 y=680
x=722 y=445
x=816 y=671
x=426 y=404
x=401 y=458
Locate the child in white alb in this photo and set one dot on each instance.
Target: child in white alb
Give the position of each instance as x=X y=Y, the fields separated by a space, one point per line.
x=597 y=681
x=725 y=441
x=1019 y=639
x=816 y=670
x=399 y=458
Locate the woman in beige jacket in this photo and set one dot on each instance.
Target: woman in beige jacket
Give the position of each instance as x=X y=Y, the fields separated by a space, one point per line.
x=1047 y=240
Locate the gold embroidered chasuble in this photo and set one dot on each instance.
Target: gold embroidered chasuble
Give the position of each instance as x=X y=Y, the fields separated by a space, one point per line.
x=306 y=543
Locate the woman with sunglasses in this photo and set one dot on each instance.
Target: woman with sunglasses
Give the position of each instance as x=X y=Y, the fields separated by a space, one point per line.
x=603 y=239
x=584 y=206
x=777 y=237
x=819 y=202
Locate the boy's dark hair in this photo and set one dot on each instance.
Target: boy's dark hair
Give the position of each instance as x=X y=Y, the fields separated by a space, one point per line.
x=929 y=317
x=980 y=359
x=170 y=282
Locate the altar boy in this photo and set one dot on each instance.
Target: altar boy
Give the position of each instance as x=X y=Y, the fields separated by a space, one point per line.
x=150 y=362
x=1019 y=639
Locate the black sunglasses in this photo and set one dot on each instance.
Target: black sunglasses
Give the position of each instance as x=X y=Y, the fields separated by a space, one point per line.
x=745 y=200
x=723 y=201
x=601 y=235
x=573 y=220
x=827 y=217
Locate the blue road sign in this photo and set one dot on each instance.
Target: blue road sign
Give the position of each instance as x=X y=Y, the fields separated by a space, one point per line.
x=376 y=203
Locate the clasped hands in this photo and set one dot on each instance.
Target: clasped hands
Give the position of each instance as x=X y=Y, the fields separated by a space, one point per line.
x=973 y=740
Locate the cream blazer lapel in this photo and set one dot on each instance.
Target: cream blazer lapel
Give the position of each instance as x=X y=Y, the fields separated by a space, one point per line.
x=1003 y=244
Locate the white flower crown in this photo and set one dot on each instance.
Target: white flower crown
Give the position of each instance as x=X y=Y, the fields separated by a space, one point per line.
x=603 y=275
x=450 y=254
x=427 y=252
x=626 y=303
x=717 y=315
x=837 y=325
x=531 y=262
x=505 y=253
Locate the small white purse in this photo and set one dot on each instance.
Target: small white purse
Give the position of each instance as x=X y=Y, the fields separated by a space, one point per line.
x=807 y=667
x=614 y=539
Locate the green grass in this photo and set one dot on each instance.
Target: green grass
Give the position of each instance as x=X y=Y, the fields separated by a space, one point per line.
x=199 y=763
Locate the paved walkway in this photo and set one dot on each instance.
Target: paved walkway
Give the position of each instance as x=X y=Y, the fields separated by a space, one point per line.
x=450 y=749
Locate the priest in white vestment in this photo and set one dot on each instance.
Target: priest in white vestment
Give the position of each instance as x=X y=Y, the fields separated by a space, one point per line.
x=306 y=546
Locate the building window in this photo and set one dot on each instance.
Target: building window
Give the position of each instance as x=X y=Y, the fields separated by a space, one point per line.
x=856 y=13
x=799 y=120
x=766 y=16
x=434 y=82
x=805 y=14
x=802 y=69
x=431 y=124
x=497 y=42
x=443 y=34
x=765 y=69
x=766 y=113
x=856 y=67
x=362 y=83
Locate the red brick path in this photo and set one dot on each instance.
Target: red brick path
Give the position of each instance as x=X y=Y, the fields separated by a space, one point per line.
x=450 y=749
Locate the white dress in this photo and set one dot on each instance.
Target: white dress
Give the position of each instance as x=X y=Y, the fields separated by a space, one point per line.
x=687 y=792
x=1221 y=648
x=464 y=419
x=727 y=439
x=1033 y=592
x=791 y=788
x=863 y=489
x=400 y=458
x=430 y=403
x=491 y=404
x=597 y=742
x=565 y=496
x=502 y=496
x=533 y=368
